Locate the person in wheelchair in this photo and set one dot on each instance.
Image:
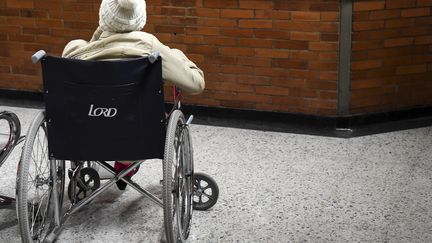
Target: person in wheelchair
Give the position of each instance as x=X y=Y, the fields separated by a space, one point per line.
x=119 y=35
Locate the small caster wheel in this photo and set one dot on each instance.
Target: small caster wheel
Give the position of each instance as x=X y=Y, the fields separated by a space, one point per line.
x=86 y=183
x=206 y=192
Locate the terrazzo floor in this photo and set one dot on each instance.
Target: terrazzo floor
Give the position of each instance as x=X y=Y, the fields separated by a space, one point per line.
x=274 y=187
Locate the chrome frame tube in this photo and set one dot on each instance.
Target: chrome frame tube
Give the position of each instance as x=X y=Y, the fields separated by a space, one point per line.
x=131 y=183
x=74 y=208
x=55 y=197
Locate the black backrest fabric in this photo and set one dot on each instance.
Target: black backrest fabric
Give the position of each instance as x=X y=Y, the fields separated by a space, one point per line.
x=104 y=110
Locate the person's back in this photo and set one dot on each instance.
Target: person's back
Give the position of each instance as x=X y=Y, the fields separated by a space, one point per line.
x=119 y=36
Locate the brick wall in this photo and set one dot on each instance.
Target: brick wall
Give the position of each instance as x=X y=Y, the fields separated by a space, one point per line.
x=392 y=55
x=272 y=55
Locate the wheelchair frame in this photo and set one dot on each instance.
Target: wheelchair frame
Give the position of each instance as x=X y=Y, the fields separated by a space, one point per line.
x=179 y=185
x=15 y=138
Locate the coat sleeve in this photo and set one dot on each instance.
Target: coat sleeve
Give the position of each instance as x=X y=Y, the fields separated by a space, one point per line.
x=179 y=70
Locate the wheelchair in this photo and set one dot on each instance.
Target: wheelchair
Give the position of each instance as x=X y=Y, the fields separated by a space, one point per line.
x=101 y=111
x=8 y=142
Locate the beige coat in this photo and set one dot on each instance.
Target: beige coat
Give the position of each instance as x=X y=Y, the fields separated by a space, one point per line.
x=176 y=67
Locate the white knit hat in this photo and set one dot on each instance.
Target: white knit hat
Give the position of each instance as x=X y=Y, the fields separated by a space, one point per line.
x=122 y=15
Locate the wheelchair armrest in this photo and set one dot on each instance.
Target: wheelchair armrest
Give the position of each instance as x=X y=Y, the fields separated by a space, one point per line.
x=38 y=56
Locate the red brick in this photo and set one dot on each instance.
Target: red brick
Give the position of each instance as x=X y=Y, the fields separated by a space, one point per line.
x=256 y=24
x=236 y=51
x=303 y=93
x=366 y=45
x=329 y=37
x=324 y=6
x=415 y=12
x=254 y=61
x=328 y=56
x=384 y=14
x=328 y=95
x=326 y=27
x=256 y=4
x=291 y=44
x=289 y=63
x=423 y=21
x=207 y=12
x=375 y=34
x=369 y=64
x=361 y=16
x=303 y=55
x=272 y=53
x=262 y=43
x=424 y=2
x=5 y=69
x=52 y=23
x=415 y=31
x=400 y=4
x=292 y=5
x=253 y=80
x=323 y=46
x=272 y=90
x=323 y=65
x=328 y=75
x=305 y=74
x=267 y=34
x=202 y=49
x=305 y=36
x=423 y=40
x=19 y=3
x=399 y=42
x=173 y=11
x=272 y=14
x=271 y=72
x=220 y=41
x=220 y=3
x=237 y=32
x=201 y=30
x=211 y=22
x=397 y=23
x=237 y=13
x=421 y=68
x=330 y=16
x=368 y=25
x=305 y=16
x=288 y=82
x=370 y=5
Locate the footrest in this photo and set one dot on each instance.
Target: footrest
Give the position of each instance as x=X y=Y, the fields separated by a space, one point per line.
x=7 y=202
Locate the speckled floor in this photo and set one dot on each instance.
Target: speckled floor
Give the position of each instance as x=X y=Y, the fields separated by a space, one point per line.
x=274 y=187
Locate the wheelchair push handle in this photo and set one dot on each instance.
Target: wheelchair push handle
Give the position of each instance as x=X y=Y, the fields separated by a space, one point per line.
x=38 y=56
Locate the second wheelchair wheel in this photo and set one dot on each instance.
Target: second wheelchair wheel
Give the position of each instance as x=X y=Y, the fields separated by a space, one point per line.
x=86 y=183
x=35 y=180
x=206 y=191
x=177 y=179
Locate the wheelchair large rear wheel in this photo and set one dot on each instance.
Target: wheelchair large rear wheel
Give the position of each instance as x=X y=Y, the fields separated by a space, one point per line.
x=178 y=179
x=35 y=182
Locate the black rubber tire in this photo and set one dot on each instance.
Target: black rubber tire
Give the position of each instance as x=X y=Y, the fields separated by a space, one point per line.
x=36 y=217
x=89 y=177
x=199 y=193
x=177 y=219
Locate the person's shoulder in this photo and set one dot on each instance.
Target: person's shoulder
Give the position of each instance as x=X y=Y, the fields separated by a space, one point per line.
x=141 y=34
x=73 y=46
